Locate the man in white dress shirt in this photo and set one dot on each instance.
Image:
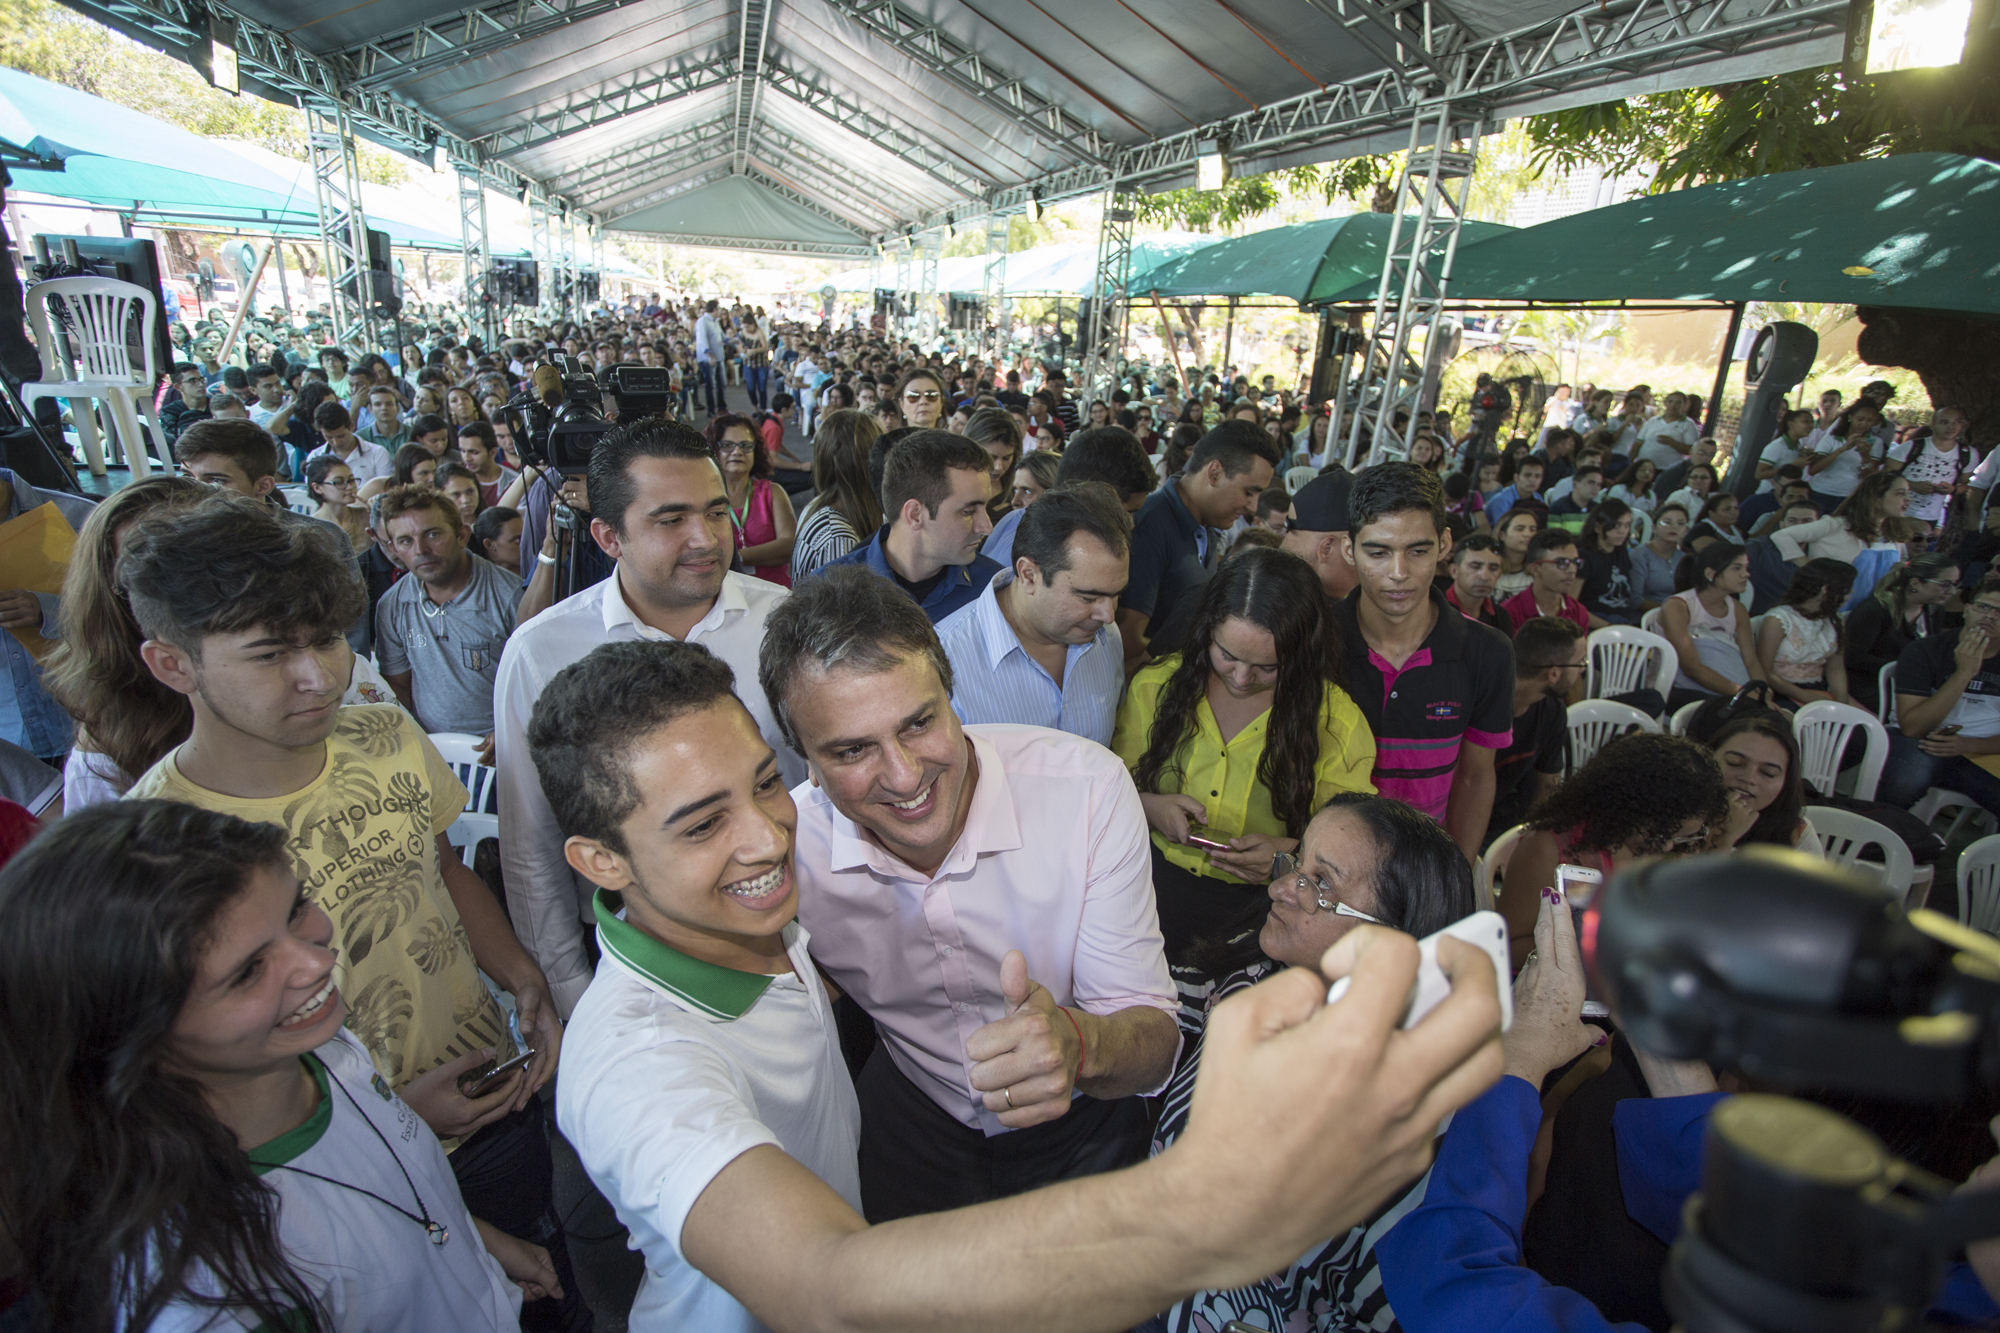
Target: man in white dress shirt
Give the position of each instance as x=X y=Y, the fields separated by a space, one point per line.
x=661 y=513
x=708 y=353
x=985 y=895
x=703 y=1087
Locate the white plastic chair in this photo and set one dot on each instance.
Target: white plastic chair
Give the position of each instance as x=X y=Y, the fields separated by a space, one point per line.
x=1684 y=717
x=1843 y=835
x=1979 y=885
x=1940 y=799
x=1492 y=865
x=468 y=831
x=1885 y=691
x=1642 y=528
x=1594 y=723
x=461 y=750
x=299 y=500
x=1650 y=622
x=1823 y=728
x=1624 y=659
x=96 y=316
x=1297 y=477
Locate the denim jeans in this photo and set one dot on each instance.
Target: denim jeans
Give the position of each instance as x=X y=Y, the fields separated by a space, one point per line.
x=507 y=1176
x=712 y=387
x=757 y=383
x=1910 y=772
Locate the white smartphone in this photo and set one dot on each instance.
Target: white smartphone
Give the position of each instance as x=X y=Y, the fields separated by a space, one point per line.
x=1579 y=886
x=1484 y=930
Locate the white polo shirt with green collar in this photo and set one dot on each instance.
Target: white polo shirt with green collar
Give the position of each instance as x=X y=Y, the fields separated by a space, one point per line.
x=672 y=1069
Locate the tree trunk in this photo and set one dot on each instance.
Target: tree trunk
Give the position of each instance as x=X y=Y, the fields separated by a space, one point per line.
x=1190 y=313
x=1954 y=355
x=182 y=256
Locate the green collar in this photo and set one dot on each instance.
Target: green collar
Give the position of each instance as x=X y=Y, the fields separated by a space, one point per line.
x=719 y=992
x=293 y=1142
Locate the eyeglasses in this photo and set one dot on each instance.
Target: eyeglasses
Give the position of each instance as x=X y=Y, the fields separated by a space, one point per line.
x=922 y=396
x=339 y=481
x=1982 y=609
x=735 y=447
x=1568 y=565
x=1937 y=583
x=1316 y=895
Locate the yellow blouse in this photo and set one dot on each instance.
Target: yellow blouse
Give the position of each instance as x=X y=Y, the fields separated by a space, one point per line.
x=1223 y=777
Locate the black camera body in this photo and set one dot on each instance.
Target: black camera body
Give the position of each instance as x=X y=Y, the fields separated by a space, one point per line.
x=559 y=418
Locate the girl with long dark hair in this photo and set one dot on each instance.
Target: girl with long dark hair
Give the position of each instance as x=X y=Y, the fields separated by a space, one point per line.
x=1760 y=767
x=1239 y=738
x=1799 y=642
x=195 y=1133
x=1906 y=605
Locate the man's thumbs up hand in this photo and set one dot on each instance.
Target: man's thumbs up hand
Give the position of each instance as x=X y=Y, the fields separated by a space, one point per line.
x=1026 y=1062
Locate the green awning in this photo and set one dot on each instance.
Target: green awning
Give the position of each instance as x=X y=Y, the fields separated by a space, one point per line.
x=1916 y=231
x=1307 y=262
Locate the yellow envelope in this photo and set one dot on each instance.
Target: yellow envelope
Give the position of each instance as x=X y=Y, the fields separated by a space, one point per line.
x=35 y=551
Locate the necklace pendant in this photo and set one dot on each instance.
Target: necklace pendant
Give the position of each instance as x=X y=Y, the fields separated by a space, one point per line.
x=437 y=1232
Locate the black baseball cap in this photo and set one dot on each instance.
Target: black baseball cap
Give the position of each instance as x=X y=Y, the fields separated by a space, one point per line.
x=1321 y=504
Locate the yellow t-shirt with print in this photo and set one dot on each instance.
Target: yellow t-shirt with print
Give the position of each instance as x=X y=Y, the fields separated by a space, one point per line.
x=364 y=844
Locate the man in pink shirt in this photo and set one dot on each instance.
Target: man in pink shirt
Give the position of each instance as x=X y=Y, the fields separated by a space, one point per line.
x=984 y=894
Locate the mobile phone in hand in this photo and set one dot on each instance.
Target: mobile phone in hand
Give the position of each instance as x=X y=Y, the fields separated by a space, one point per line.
x=479 y=1081
x=1198 y=837
x=1949 y=729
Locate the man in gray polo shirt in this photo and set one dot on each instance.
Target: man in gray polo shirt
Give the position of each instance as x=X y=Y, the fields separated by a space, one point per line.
x=439 y=632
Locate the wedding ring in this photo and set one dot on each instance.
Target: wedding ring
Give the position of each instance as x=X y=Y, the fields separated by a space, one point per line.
x=1008 y=1093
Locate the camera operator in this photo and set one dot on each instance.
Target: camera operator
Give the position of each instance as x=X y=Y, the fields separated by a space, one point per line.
x=1455 y=1262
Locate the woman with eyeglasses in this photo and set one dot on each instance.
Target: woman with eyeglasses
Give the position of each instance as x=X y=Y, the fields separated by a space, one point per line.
x=920 y=395
x=1238 y=738
x=760 y=513
x=1363 y=858
x=330 y=482
x=1906 y=605
x=1643 y=794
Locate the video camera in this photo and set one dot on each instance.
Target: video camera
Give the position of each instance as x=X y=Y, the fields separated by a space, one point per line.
x=559 y=418
x=1776 y=966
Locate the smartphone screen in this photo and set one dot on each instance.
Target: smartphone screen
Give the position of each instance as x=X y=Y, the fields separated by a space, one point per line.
x=480 y=1082
x=1579 y=885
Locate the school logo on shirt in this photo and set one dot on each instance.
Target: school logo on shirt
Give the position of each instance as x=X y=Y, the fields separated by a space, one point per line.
x=381 y=1086
x=1444 y=710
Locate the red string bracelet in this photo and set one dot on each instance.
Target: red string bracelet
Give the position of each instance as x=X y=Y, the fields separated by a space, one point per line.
x=1081 y=1049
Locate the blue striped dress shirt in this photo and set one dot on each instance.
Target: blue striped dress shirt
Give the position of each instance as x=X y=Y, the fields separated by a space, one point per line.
x=994 y=679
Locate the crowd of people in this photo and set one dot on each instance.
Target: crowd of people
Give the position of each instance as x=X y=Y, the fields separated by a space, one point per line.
x=929 y=811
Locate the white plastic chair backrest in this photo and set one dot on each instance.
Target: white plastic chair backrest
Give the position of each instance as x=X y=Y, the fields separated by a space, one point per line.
x=1594 y=723
x=1650 y=622
x=1979 y=885
x=460 y=750
x=1843 y=835
x=1885 y=690
x=299 y=500
x=1297 y=477
x=1823 y=728
x=1642 y=528
x=1624 y=659
x=1684 y=717
x=1493 y=864
x=468 y=831
x=98 y=313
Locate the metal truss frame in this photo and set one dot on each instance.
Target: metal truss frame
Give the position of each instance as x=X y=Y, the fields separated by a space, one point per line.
x=650 y=88
x=844 y=111
x=929 y=246
x=542 y=248
x=749 y=77
x=343 y=227
x=477 y=252
x=903 y=247
x=668 y=151
x=1105 y=338
x=995 y=287
x=948 y=58
x=804 y=158
x=810 y=249
x=1416 y=273
x=465 y=34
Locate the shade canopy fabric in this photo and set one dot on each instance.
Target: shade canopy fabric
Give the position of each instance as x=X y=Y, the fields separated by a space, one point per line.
x=1307 y=262
x=1915 y=230
x=1067 y=268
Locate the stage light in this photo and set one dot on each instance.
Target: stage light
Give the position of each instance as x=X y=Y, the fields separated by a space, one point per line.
x=1035 y=204
x=1211 y=168
x=1898 y=35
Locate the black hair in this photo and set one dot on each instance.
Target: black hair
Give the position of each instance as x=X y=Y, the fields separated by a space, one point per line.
x=427 y=423
x=612 y=490
x=1237 y=445
x=843 y=616
x=1394 y=488
x=331 y=416
x=231 y=563
x=1777 y=822
x=1280 y=593
x=123 y=1192
x=1599 y=522
x=1062 y=512
x=919 y=468
x=1549 y=539
x=487 y=526
x=1112 y=455
x=1273 y=500
x=1834 y=578
x=590 y=716
x=1543 y=642
x=1641 y=786
x=1711 y=560
x=1478 y=541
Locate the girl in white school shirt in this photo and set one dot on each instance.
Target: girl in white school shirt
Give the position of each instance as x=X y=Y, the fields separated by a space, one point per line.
x=207 y=1149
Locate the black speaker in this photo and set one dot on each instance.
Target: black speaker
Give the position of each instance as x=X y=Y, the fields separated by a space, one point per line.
x=514 y=282
x=1779 y=361
x=1336 y=343
x=383 y=292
